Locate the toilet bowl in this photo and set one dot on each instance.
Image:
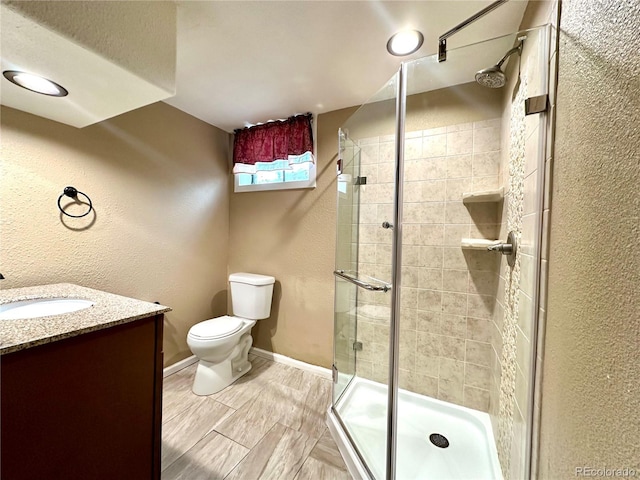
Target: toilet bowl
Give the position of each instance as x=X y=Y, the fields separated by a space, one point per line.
x=222 y=344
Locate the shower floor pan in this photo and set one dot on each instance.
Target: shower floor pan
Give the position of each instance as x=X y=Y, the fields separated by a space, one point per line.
x=422 y=422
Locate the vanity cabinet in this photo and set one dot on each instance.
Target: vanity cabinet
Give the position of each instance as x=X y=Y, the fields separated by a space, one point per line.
x=86 y=407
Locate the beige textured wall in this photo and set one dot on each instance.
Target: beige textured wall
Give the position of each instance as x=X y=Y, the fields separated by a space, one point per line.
x=591 y=380
x=159 y=184
x=290 y=234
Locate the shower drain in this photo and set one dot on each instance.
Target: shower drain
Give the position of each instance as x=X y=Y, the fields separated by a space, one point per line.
x=439 y=440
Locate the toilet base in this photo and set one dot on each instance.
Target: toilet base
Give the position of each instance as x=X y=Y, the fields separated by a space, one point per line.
x=210 y=377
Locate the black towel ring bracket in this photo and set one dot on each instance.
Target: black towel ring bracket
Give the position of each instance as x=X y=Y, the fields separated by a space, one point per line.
x=73 y=193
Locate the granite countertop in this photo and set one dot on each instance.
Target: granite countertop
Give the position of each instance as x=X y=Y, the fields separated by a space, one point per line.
x=108 y=310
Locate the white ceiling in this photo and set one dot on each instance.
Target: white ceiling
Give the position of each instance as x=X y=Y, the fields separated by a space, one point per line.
x=246 y=62
x=238 y=62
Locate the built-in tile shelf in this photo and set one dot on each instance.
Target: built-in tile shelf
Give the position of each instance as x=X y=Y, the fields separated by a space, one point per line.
x=493 y=195
x=477 y=243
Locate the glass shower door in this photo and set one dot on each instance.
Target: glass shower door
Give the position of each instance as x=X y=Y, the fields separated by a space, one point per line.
x=366 y=193
x=346 y=293
x=472 y=175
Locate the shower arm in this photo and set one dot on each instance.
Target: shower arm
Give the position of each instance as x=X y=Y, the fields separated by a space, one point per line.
x=517 y=48
x=442 y=40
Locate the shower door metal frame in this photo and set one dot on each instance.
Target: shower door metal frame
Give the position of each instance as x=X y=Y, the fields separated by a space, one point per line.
x=396 y=263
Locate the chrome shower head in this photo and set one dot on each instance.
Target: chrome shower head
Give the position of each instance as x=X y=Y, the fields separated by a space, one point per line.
x=494 y=77
x=491 y=77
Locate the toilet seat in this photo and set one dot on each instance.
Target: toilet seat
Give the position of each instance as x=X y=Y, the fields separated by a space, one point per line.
x=216 y=328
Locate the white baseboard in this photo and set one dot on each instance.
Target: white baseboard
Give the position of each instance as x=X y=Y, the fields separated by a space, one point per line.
x=171 y=369
x=258 y=352
x=292 y=362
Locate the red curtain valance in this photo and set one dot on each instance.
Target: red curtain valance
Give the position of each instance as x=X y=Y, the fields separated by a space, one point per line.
x=273 y=140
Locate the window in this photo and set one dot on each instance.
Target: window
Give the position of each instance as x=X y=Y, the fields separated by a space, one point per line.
x=298 y=171
x=274 y=156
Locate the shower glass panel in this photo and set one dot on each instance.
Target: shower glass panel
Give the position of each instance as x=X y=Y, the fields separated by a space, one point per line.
x=474 y=163
x=363 y=255
x=348 y=206
x=465 y=147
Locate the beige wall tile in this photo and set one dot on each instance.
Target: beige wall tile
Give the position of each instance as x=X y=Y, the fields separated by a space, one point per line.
x=481 y=306
x=486 y=139
x=410 y=254
x=453 y=235
x=455 y=280
x=412 y=192
x=459 y=166
x=452 y=347
x=450 y=391
x=453 y=326
x=427 y=348
x=413 y=148
x=387 y=152
x=454 y=303
x=430 y=278
x=424 y=384
x=482 y=282
x=477 y=376
x=454 y=258
x=431 y=257
x=455 y=187
x=476 y=398
x=434 y=146
x=458 y=127
x=457 y=213
x=451 y=369
x=432 y=234
x=433 y=191
x=428 y=322
x=430 y=300
x=478 y=329
x=486 y=183
x=460 y=142
x=486 y=164
x=525 y=313
x=478 y=353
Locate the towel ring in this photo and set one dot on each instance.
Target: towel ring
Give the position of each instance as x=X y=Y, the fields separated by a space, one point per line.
x=73 y=193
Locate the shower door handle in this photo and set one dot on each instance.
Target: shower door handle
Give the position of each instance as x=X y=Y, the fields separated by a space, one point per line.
x=381 y=287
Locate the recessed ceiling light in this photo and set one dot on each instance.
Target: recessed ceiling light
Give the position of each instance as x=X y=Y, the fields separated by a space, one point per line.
x=35 y=83
x=405 y=42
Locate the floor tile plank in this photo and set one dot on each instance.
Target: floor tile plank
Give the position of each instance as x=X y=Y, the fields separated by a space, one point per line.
x=270 y=424
x=250 y=385
x=211 y=458
x=278 y=456
x=187 y=428
x=252 y=421
x=327 y=451
x=316 y=403
x=313 y=469
x=176 y=393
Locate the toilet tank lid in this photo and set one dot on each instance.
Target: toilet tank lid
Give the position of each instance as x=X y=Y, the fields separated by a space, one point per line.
x=252 y=278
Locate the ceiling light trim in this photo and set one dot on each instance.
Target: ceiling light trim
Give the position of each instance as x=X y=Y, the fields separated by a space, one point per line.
x=12 y=74
x=419 y=38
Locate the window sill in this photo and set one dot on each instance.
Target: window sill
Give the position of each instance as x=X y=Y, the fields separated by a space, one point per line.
x=263 y=187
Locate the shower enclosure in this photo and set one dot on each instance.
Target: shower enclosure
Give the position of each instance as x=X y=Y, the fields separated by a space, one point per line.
x=436 y=312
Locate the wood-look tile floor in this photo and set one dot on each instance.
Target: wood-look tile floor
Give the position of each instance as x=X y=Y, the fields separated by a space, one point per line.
x=269 y=424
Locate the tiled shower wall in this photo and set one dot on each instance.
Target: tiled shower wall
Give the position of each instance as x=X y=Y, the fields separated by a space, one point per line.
x=513 y=326
x=448 y=294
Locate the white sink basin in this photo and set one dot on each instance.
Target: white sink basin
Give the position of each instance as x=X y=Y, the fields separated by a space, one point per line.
x=42 y=307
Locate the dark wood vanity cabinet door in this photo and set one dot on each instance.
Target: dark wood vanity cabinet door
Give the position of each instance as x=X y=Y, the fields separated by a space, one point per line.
x=86 y=408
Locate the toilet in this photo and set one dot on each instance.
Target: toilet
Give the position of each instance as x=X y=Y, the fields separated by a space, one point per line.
x=222 y=344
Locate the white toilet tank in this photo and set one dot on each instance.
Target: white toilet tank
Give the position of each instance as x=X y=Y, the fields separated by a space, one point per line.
x=251 y=295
